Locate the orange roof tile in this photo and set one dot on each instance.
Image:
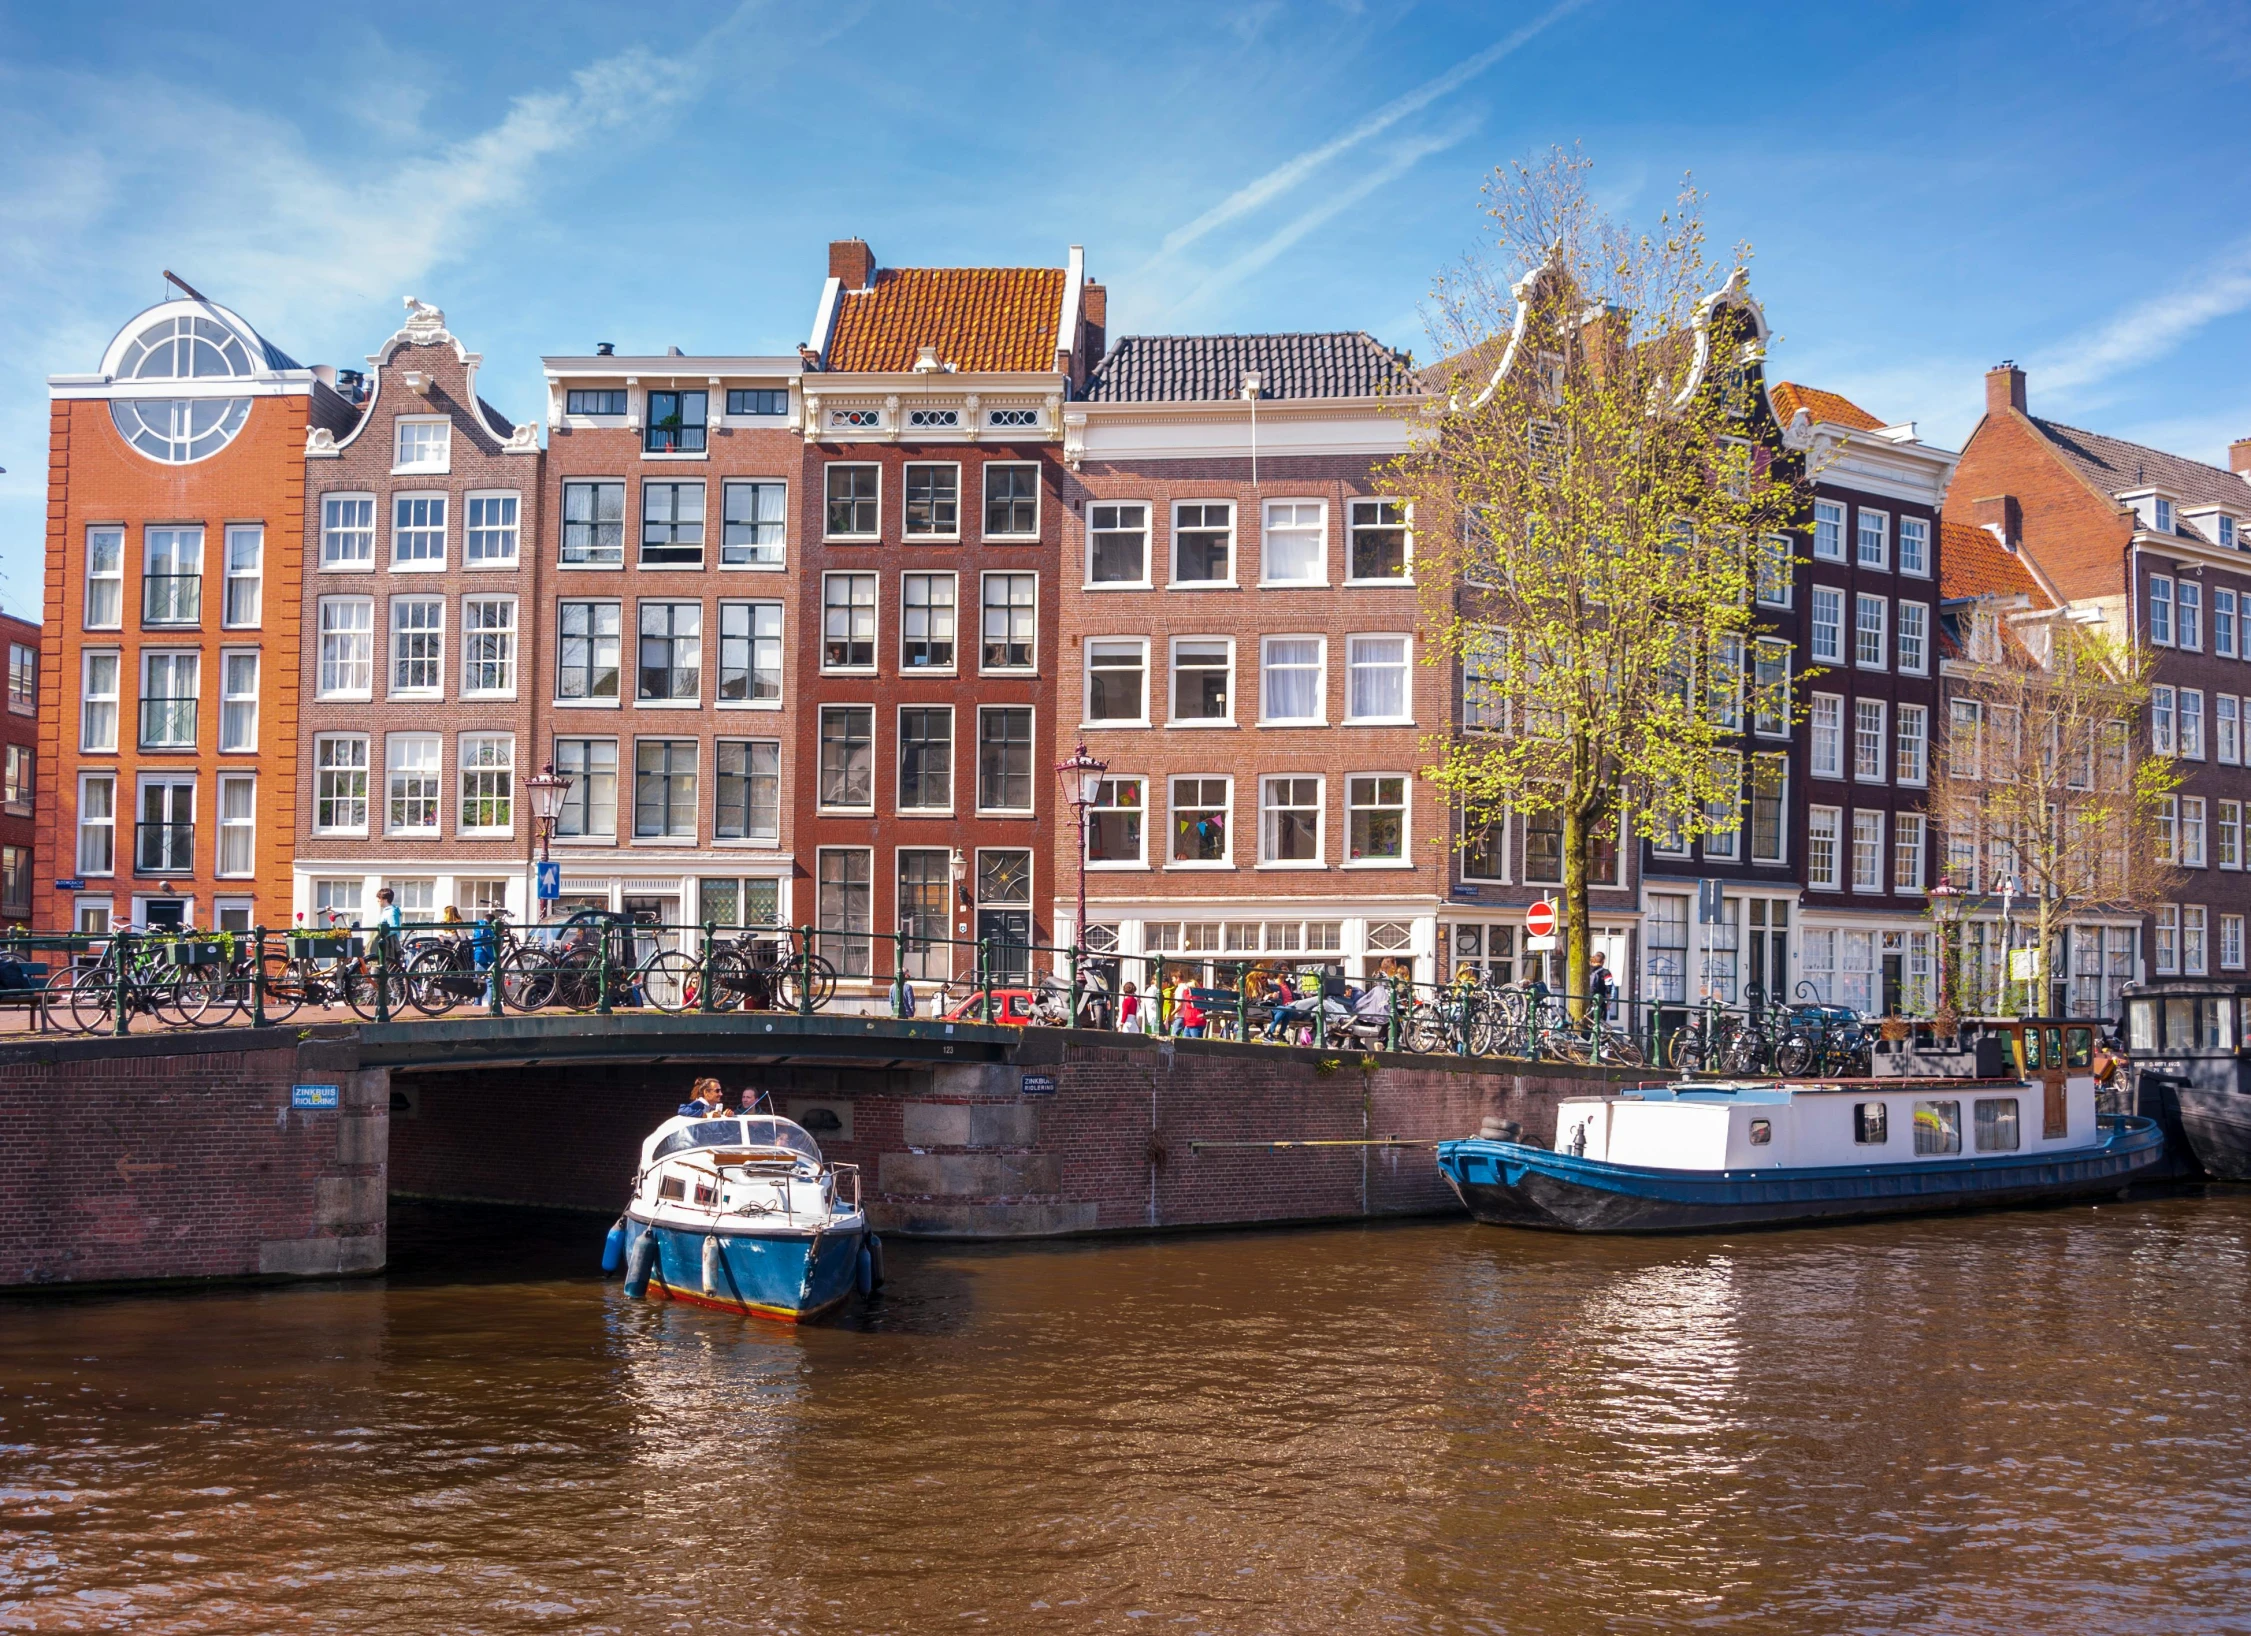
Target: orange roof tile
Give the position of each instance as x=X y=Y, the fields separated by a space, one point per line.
x=1828 y=407
x=1971 y=562
x=979 y=318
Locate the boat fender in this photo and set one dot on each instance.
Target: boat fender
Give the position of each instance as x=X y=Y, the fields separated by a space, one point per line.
x=875 y=1260
x=640 y=1261
x=711 y=1263
x=613 y=1247
x=863 y=1271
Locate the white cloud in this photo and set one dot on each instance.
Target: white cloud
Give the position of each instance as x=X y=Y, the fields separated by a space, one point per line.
x=2149 y=330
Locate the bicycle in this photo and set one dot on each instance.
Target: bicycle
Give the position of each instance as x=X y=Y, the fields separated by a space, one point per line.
x=328 y=968
x=579 y=971
x=443 y=969
x=756 y=969
x=134 y=972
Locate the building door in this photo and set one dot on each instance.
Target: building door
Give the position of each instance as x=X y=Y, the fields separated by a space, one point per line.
x=1766 y=973
x=1004 y=881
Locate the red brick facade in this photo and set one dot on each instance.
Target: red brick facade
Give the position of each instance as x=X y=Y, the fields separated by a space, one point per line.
x=29 y=783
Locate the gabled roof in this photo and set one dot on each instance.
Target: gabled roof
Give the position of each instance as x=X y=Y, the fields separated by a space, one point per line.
x=981 y=319
x=2114 y=466
x=1825 y=407
x=1971 y=562
x=1210 y=368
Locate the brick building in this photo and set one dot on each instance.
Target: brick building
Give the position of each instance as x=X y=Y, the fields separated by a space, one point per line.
x=1239 y=645
x=667 y=610
x=934 y=399
x=25 y=788
x=176 y=484
x=420 y=523
x=2156 y=546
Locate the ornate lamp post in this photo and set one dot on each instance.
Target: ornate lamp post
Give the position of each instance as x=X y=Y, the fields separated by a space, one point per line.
x=1945 y=907
x=1081 y=776
x=547 y=791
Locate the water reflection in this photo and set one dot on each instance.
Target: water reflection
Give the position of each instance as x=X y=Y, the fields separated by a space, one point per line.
x=2011 y=1423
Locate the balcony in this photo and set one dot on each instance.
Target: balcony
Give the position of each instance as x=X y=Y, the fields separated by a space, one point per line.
x=168 y=724
x=171 y=599
x=163 y=849
x=673 y=439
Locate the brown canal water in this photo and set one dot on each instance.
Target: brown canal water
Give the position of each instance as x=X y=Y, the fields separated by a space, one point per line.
x=2024 y=1422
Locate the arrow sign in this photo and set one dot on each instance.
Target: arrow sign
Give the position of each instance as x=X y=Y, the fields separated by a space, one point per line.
x=1539 y=920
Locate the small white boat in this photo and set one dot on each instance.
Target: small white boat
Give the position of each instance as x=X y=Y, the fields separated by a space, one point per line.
x=742 y=1213
x=1675 y=1158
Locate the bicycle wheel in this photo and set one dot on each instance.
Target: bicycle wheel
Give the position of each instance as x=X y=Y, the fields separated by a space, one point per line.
x=1793 y=1056
x=93 y=999
x=191 y=997
x=791 y=978
x=355 y=982
x=1424 y=1031
x=670 y=979
x=284 y=983
x=436 y=981
x=1618 y=1047
x=1486 y=1029
x=1744 y=1052
x=527 y=979
x=1685 y=1051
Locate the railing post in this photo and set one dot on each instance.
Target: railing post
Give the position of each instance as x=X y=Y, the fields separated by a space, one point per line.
x=985 y=973
x=1072 y=1021
x=124 y=945
x=1242 y=1004
x=804 y=971
x=602 y=970
x=1392 y=1028
x=703 y=997
x=382 y=974
x=1464 y=999
x=492 y=970
x=258 y=977
x=1321 y=1013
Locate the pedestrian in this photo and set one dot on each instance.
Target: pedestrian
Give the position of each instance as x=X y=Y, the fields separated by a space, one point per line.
x=902 y=995
x=1602 y=987
x=1187 y=1015
x=1129 y=1010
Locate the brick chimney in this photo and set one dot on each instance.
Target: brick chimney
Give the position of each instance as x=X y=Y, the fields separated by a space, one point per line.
x=1094 y=314
x=852 y=261
x=2002 y=511
x=2239 y=458
x=2004 y=388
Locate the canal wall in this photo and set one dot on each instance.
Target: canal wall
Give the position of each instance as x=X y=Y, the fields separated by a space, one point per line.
x=180 y=1156
x=1081 y=1132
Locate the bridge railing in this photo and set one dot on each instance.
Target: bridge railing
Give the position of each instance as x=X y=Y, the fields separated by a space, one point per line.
x=602 y=962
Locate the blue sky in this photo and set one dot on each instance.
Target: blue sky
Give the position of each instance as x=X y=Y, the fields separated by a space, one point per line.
x=1927 y=188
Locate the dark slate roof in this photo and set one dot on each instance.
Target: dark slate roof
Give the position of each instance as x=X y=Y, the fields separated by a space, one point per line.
x=1208 y=368
x=501 y=425
x=2115 y=466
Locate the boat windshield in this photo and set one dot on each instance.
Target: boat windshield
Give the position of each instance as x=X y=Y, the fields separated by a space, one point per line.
x=763 y=1131
x=705 y=1133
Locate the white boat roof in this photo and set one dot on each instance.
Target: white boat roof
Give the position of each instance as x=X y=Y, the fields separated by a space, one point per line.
x=757 y=1130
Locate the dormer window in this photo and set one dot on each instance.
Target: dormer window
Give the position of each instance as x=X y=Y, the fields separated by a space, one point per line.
x=2227 y=533
x=2164 y=509
x=424 y=445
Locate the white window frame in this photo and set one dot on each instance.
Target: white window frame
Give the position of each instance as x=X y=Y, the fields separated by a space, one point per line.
x=1406 y=669
x=2188 y=720
x=2227 y=729
x=514 y=531
x=875 y=634
x=1320 y=718
x=1148 y=545
x=589 y=701
x=2192 y=837
x=1903 y=850
x=2162 y=741
x=1920 y=567
x=1173 y=580
x=1086 y=683
x=436 y=772
x=953 y=762
x=2223 y=605
x=1266 y=529
x=1776 y=551
x=437 y=467
x=1875 y=815
x=1832 y=704
x=2196 y=951
x=1834 y=653
x=221 y=824
x=462 y=771
x=255 y=578
x=1862 y=601
x=1039 y=501
x=227 y=658
x=933 y=536
x=364 y=769
x=977 y=756
x=1141 y=860
x=88 y=744
x=2160 y=608
x=1320 y=858
x=1920 y=665
x=781 y=663
x=1880 y=560
x=1827 y=512
x=515 y=645
x=321 y=689
x=757 y=565
x=2188 y=615
x=392 y=689
x=1172 y=819
x=983 y=579
x=1406 y=575
x=422 y=565
x=953 y=578
x=875 y=466
x=1406 y=858
x=80 y=825
x=1912 y=771
x=114 y=536
x=1825 y=823
x=330 y=534
x=1172 y=685
x=1860 y=713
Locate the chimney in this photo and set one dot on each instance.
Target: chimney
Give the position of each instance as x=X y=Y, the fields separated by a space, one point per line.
x=1094 y=314
x=852 y=261
x=2239 y=458
x=2004 y=388
x=2002 y=512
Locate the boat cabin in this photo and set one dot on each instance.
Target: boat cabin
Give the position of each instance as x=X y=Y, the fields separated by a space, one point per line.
x=2194 y=1030
x=1785 y=1125
x=754 y=1164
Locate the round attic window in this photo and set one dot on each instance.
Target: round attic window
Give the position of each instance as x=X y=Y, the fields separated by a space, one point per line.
x=184 y=349
x=178 y=430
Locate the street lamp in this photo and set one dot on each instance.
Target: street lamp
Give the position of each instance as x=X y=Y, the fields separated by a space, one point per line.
x=547 y=792
x=1081 y=776
x=1944 y=910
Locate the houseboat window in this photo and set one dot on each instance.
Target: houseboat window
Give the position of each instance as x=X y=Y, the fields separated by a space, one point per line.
x=708 y=1194
x=2212 y=1024
x=2141 y=1024
x=2079 y=1048
x=1762 y=1132
x=2031 y=1039
x=672 y=1187
x=1870 y=1126
x=2243 y=1018
x=2055 y=1047
x=2180 y=1025
x=1938 y=1127
x=1996 y=1125
x=705 y=1133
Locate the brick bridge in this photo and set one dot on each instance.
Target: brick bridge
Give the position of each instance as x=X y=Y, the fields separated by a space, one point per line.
x=158 y=1157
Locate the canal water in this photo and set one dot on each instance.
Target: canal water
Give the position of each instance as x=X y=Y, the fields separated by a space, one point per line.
x=2023 y=1422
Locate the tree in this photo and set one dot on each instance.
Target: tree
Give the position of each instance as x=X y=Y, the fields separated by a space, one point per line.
x=2042 y=787
x=1592 y=485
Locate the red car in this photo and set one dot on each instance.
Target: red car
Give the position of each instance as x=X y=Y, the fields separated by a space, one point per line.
x=1012 y=1008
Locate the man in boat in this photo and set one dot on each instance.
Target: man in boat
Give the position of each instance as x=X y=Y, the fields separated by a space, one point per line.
x=705 y=1101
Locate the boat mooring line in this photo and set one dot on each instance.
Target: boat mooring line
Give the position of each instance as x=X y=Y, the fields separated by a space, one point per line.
x=1373 y=1141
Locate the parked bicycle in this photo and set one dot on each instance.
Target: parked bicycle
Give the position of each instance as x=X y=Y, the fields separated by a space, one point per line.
x=761 y=970
x=162 y=977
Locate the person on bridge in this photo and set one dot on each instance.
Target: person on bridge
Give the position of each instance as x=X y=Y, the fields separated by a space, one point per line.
x=1602 y=987
x=705 y=1101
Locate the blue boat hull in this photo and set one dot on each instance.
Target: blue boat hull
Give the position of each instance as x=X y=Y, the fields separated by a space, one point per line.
x=1512 y=1185
x=791 y=1276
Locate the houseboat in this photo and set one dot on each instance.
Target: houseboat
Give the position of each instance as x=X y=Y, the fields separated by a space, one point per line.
x=1691 y=1156
x=2189 y=1040
x=743 y=1214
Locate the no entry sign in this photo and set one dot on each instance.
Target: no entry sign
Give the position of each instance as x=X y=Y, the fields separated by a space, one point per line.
x=1539 y=920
